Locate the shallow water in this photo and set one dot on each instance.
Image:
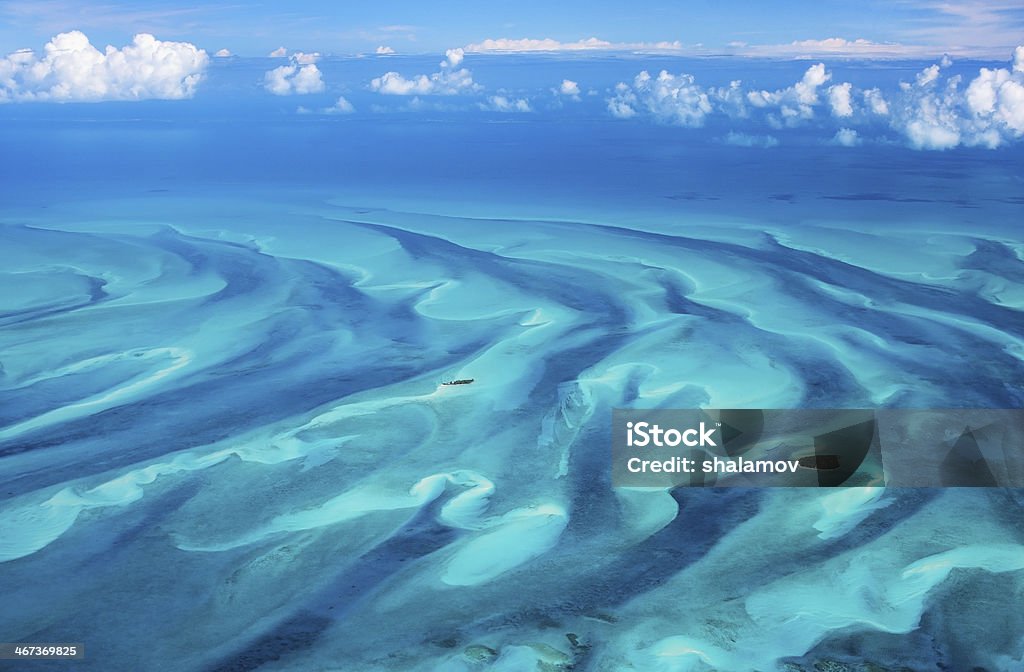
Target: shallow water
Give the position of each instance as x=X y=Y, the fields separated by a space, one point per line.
x=224 y=442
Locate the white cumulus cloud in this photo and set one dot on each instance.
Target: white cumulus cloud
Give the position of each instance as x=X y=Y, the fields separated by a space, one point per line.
x=933 y=113
x=730 y=99
x=450 y=80
x=622 y=105
x=280 y=52
x=300 y=77
x=569 y=88
x=453 y=57
x=929 y=115
x=928 y=75
x=846 y=137
x=72 y=69
x=875 y=102
x=223 y=53
x=995 y=99
x=506 y=104
x=839 y=99
x=795 y=102
x=341 y=106
x=384 y=51
x=289 y=80
x=674 y=99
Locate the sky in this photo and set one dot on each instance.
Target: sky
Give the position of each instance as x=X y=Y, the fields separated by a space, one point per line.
x=915 y=27
x=925 y=75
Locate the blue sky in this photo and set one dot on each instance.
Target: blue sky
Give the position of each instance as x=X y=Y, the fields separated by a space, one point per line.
x=411 y=26
x=916 y=72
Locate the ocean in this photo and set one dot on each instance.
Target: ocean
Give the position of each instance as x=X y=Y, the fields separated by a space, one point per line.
x=225 y=325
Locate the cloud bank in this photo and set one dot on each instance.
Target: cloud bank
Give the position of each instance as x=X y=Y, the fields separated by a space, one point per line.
x=833 y=46
x=939 y=112
x=933 y=111
x=449 y=80
x=518 y=45
x=70 y=69
x=798 y=49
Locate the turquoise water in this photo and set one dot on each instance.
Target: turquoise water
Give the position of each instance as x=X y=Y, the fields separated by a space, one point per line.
x=224 y=442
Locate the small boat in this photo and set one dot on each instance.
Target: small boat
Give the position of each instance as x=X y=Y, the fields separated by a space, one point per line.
x=462 y=381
